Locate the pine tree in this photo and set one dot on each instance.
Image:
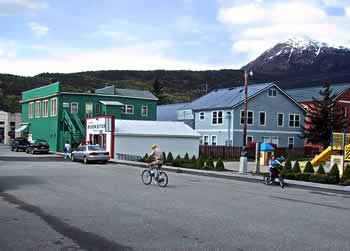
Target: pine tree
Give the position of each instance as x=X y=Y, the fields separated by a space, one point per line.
x=200 y=161
x=321 y=170
x=335 y=172
x=309 y=168
x=186 y=157
x=220 y=165
x=346 y=174
x=322 y=118
x=287 y=166
x=193 y=160
x=209 y=163
x=170 y=157
x=157 y=90
x=296 y=167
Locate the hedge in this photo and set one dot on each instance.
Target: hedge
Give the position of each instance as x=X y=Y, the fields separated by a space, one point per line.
x=296 y=168
x=346 y=174
x=321 y=170
x=335 y=172
x=220 y=165
x=309 y=168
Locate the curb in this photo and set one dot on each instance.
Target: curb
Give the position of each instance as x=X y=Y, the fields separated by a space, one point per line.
x=252 y=179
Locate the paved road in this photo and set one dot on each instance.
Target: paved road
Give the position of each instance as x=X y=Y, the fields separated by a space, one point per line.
x=106 y=207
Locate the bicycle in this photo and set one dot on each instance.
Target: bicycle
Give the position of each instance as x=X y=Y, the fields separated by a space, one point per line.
x=160 y=176
x=277 y=174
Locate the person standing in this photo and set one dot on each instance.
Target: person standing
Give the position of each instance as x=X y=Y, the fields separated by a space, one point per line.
x=67 y=149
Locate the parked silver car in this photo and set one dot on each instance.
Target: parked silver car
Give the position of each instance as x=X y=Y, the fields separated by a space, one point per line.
x=89 y=153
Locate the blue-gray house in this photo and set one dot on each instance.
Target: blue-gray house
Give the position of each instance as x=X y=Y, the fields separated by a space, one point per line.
x=273 y=116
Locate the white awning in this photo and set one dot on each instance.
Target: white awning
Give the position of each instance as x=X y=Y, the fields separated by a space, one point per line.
x=22 y=128
x=111 y=103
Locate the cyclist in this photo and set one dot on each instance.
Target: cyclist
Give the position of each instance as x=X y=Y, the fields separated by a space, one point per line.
x=157 y=158
x=273 y=167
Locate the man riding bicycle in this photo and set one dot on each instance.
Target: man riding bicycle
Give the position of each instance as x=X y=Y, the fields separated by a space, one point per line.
x=157 y=156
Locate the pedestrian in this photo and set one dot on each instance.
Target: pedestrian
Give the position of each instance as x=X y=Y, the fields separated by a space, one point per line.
x=67 y=149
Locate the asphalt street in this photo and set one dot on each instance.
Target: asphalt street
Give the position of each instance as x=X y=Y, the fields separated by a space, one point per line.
x=48 y=203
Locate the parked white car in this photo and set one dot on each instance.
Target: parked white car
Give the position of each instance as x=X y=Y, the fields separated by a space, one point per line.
x=90 y=153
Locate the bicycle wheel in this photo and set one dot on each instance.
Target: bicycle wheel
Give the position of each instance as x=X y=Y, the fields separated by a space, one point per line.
x=146 y=177
x=267 y=179
x=281 y=181
x=162 y=179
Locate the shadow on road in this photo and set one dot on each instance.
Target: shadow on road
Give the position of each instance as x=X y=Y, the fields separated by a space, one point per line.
x=15 y=182
x=32 y=158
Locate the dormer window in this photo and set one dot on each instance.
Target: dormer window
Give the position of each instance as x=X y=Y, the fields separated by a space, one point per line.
x=272 y=93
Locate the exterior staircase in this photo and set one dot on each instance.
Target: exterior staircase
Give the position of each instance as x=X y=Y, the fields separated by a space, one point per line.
x=76 y=128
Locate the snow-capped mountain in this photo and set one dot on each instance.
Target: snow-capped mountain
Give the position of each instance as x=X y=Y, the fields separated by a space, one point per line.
x=300 y=57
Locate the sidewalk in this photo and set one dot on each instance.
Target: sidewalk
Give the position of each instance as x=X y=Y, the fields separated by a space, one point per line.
x=243 y=177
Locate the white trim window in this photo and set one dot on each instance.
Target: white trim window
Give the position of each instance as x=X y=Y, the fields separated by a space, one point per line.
x=291 y=142
x=275 y=140
x=45 y=108
x=53 y=107
x=88 y=109
x=280 y=119
x=30 y=110
x=250 y=117
x=266 y=139
x=74 y=107
x=272 y=93
x=144 y=111
x=249 y=138
x=37 y=109
x=294 y=120
x=128 y=109
x=262 y=118
x=98 y=109
x=201 y=116
x=205 y=140
x=217 y=118
x=213 y=140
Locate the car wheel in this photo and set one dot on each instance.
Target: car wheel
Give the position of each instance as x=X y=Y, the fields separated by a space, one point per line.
x=32 y=152
x=85 y=160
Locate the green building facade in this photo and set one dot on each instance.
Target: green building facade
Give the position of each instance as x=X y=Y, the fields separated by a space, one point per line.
x=58 y=116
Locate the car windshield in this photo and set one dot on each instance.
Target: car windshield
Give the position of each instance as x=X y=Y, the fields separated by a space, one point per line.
x=95 y=148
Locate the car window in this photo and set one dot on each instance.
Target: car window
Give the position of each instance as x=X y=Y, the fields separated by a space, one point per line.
x=95 y=148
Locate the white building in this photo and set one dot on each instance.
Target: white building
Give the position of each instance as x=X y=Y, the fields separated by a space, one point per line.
x=133 y=138
x=8 y=123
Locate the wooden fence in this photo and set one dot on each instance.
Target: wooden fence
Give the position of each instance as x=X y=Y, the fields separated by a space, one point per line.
x=235 y=152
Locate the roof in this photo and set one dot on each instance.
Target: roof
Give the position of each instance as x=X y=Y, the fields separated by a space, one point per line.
x=111 y=103
x=126 y=92
x=226 y=98
x=306 y=94
x=154 y=128
x=169 y=112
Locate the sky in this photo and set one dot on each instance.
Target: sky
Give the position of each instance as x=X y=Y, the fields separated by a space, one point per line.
x=80 y=35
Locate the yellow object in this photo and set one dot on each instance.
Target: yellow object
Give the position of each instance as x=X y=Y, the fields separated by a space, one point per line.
x=265 y=157
x=325 y=155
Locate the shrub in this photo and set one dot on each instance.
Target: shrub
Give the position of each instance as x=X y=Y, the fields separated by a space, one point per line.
x=209 y=164
x=193 y=160
x=220 y=165
x=319 y=178
x=186 y=157
x=320 y=170
x=164 y=157
x=289 y=176
x=346 y=174
x=170 y=158
x=296 y=167
x=177 y=161
x=145 y=158
x=188 y=165
x=346 y=183
x=287 y=167
x=200 y=162
x=303 y=176
x=335 y=172
x=309 y=168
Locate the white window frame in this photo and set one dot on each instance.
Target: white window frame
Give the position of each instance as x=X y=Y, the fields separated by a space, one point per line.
x=205 y=136
x=71 y=107
x=53 y=108
x=289 y=120
x=273 y=91
x=293 y=142
x=87 y=114
x=249 y=136
x=97 y=108
x=282 y=119
x=217 y=117
x=126 y=109
x=262 y=112
x=142 y=111
x=266 y=137
x=202 y=114
x=242 y=115
x=275 y=137
x=37 y=109
x=216 y=140
x=45 y=108
x=30 y=110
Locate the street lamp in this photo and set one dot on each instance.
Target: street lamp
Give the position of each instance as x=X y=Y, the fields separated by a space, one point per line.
x=243 y=159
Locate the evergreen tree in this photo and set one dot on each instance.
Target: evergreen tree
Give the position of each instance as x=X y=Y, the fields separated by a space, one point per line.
x=200 y=161
x=170 y=157
x=157 y=90
x=287 y=166
x=220 y=165
x=321 y=170
x=346 y=174
x=186 y=157
x=296 y=167
x=209 y=164
x=309 y=168
x=335 y=172
x=322 y=118
x=177 y=161
x=193 y=160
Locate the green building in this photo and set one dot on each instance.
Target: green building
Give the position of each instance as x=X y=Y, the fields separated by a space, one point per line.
x=56 y=116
